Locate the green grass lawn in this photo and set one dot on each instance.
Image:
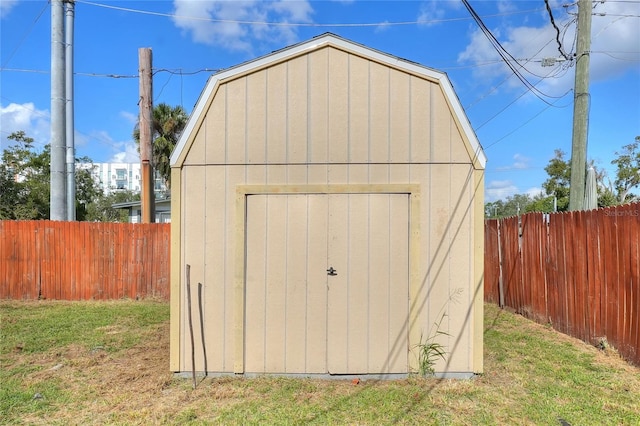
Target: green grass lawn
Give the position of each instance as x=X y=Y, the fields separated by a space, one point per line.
x=107 y=363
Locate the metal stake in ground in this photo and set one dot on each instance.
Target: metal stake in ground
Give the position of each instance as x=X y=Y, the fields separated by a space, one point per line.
x=193 y=349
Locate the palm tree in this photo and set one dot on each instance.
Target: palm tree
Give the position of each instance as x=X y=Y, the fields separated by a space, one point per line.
x=168 y=124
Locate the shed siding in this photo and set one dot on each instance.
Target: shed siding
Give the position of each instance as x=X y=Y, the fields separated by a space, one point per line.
x=327 y=117
x=328 y=107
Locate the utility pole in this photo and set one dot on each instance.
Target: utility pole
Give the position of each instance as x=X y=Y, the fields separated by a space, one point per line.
x=145 y=126
x=581 y=100
x=70 y=143
x=57 y=198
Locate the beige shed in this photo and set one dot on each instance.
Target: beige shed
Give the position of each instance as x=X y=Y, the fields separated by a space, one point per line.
x=328 y=199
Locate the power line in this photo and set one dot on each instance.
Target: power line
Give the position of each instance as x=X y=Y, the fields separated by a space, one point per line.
x=553 y=22
x=299 y=24
x=13 y=52
x=525 y=123
x=505 y=55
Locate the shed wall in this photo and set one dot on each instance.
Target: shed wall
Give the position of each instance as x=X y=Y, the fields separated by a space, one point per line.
x=330 y=118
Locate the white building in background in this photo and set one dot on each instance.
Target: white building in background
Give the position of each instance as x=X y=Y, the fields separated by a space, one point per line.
x=122 y=176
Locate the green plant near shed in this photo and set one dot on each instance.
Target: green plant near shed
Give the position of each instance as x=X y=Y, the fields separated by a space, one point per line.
x=429 y=350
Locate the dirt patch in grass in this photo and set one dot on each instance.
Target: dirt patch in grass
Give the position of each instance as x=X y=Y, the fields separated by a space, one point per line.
x=527 y=371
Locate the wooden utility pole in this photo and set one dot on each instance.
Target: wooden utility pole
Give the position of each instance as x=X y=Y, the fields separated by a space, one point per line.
x=581 y=102
x=145 y=127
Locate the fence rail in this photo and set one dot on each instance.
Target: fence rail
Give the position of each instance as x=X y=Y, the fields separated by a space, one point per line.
x=83 y=260
x=577 y=271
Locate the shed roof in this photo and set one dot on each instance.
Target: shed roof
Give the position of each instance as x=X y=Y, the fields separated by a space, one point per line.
x=324 y=40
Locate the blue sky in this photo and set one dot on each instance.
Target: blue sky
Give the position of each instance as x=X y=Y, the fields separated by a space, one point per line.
x=518 y=129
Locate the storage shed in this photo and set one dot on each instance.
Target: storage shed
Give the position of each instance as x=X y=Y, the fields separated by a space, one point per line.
x=328 y=200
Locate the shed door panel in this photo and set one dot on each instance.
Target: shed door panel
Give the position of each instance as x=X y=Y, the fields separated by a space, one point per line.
x=299 y=319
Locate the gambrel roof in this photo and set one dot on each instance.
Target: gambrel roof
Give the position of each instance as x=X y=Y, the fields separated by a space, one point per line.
x=473 y=146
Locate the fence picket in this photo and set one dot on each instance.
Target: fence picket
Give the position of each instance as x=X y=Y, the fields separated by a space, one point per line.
x=82 y=260
x=581 y=272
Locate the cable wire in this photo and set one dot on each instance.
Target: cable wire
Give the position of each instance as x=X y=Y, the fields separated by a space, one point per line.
x=553 y=22
x=504 y=54
x=299 y=24
x=13 y=52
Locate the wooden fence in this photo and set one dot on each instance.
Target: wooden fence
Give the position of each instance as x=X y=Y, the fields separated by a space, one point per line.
x=578 y=271
x=83 y=260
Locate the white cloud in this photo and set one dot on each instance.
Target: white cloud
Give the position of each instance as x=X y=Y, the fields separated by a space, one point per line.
x=435 y=10
x=519 y=162
x=34 y=122
x=129 y=154
x=6 y=6
x=614 y=49
x=238 y=24
x=499 y=190
x=129 y=117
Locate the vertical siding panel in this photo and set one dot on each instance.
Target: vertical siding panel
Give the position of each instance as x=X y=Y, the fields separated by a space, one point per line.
x=399 y=173
x=338 y=122
x=215 y=276
x=379 y=173
x=212 y=133
x=400 y=118
x=316 y=322
x=358 y=299
x=256 y=118
x=296 y=284
x=441 y=127
x=379 y=113
x=381 y=284
x=256 y=283
x=398 y=283
x=297 y=174
x=338 y=291
x=277 y=114
x=420 y=123
x=233 y=175
x=255 y=174
x=460 y=251
x=235 y=125
x=358 y=110
x=194 y=253
x=358 y=173
x=277 y=174
x=318 y=106
x=439 y=207
x=276 y=275
x=297 y=110
x=457 y=145
x=461 y=264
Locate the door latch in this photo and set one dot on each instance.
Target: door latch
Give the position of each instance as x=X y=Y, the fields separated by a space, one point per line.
x=332 y=271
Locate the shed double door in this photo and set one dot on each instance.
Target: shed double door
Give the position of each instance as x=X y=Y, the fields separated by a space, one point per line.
x=327 y=283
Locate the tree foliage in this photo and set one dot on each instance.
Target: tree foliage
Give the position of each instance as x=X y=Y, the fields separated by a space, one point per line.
x=168 y=124
x=101 y=210
x=25 y=185
x=628 y=171
x=558 y=183
x=24 y=180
